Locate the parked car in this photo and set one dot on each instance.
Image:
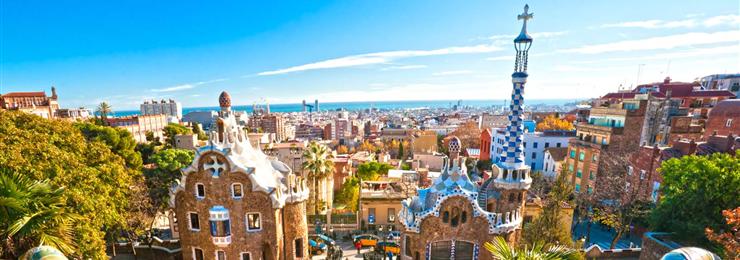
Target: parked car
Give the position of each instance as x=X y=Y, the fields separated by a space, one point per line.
x=324 y=239
x=316 y=248
x=394 y=235
x=388 y=246
x=366 y=239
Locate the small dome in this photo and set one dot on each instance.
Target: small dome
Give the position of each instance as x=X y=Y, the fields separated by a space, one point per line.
x=454 y=146
x=43 y=252
x=689 y=253
x=224 y=100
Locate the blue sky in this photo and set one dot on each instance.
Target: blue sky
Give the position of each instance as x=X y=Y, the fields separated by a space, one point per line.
x=126 y=51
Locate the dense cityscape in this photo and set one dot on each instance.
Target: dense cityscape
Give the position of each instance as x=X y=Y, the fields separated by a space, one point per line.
x=650 y=171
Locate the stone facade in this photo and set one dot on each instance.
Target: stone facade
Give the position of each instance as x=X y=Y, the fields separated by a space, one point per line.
x=234 y=200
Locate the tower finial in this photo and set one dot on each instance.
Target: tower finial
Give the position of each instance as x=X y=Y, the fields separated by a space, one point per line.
x=525 y=16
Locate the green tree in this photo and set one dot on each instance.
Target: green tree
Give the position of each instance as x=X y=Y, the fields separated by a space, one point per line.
x=547 y=229
x=171 y=130
x=400 y=151
x=98 y=182
x=199 y=132
x=503 y=251
x=371 y=171
x=695 y=190
x=166 y=172
x=317 y=161
x=349 y=194
x=119 y=140
x=32 y=213
x=103 y=110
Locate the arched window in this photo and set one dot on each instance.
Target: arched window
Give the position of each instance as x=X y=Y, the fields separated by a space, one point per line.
x=464 y=217
x=519 y=197
x=511 y=197
x=446 y=217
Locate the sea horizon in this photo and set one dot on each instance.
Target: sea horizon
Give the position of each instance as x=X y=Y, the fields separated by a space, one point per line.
x=360 y=105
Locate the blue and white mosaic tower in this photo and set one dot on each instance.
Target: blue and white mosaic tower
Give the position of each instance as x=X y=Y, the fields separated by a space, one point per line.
x=511 y=171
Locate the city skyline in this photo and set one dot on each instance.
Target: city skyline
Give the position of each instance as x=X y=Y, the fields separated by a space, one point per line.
x=335 y=51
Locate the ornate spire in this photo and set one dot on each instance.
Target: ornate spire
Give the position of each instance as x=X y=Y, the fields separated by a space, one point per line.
x=524 y=36
x=523 y=42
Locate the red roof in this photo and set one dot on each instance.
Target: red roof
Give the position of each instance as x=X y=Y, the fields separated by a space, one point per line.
x=712 y=93
x=629 y=95
x=25 y=94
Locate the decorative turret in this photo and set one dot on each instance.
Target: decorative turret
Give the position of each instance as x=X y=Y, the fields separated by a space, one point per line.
x=224 y=101
x=53 y=92
x=454 y=147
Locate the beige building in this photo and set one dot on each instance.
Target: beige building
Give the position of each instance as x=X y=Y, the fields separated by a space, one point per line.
x=380 y=203
x=140 y=125
x=234 y=202
x=36 y=103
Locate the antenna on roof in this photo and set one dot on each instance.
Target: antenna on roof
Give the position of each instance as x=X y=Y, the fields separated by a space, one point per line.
x=639 y=71
x=668 y=69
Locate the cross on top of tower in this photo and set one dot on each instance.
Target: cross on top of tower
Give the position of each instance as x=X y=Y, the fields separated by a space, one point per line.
x=526 y=15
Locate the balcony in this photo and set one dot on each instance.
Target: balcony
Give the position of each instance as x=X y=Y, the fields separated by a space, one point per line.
x=222 y=241
x=602 y=130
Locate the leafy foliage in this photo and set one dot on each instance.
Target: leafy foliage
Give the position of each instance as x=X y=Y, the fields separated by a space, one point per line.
x=503 y=251
x=317 y=161
x=349 y=194
x=98 y=181
x=32 y=213
x=729 y=240
x=547 y=229
x=171 y=130
x=167 y=171
x=695 y=190
x=103 y=110
x=553 y=123
x=469 y=135
x=370 y=171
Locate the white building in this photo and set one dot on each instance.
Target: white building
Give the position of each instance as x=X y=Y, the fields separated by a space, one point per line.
x=534 y=145
x=164 y=107
x=730 y=82
x=553 y=159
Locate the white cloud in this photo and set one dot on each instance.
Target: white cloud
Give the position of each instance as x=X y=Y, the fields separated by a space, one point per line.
x=452 y=72
x=187 y=86
x=382 y=57
x=699 y=52
x=502 y=58
x=687 y=23
x=174 y=88
x=657 y=43
x=404 y=67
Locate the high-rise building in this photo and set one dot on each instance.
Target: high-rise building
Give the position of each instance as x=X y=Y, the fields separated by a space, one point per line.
x=454 y=217
x=164 y=107
x=36 y=103
x=234 y=202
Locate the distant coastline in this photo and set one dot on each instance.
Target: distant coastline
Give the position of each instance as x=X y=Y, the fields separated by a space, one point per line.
x=354 y=106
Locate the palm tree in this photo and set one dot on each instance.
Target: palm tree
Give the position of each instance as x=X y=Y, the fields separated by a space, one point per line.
x=317 y=160
x=103 y=110
x=502 y=251
x=32 y=213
